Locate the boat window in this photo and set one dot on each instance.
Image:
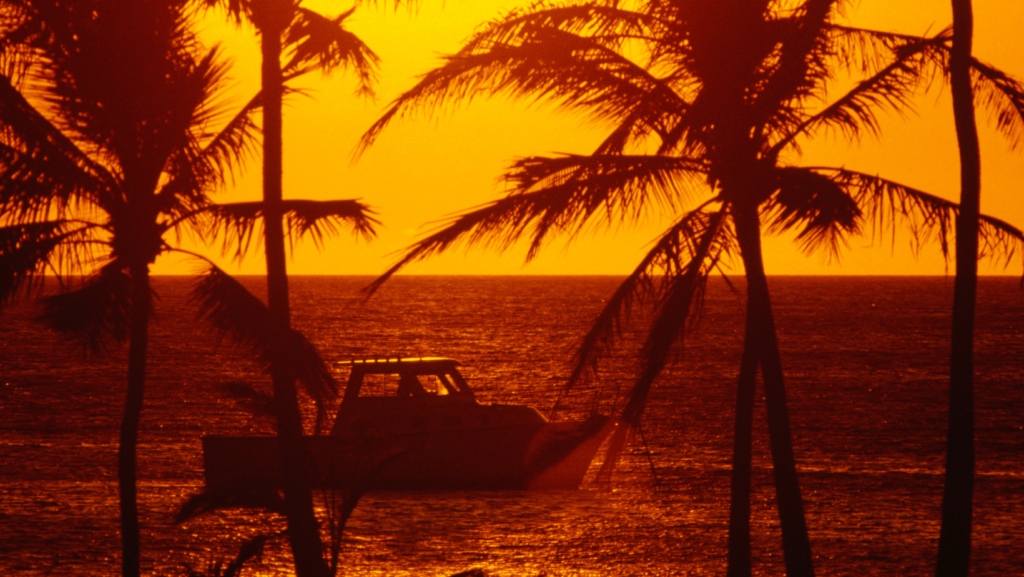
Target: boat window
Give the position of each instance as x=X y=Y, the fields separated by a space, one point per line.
x=435 y=384
x=410 y=386
x=378 y=385
x=448 y=386
x=460 y=383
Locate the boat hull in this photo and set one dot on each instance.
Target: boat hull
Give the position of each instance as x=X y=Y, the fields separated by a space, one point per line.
x=548 y=456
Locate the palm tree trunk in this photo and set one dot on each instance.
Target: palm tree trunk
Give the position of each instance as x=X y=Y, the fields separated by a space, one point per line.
x=739 y=504
x=303 y=528
x=796 y=544
x=127 y=459
x=957 y=499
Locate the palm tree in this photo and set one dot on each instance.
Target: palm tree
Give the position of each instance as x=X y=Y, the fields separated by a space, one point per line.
x=705 y=126
x=312 y=42
x=106 y=149
x=957 y=500
x=100 y=164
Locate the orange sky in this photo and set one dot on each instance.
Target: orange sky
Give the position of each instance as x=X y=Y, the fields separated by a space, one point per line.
x=423 y=170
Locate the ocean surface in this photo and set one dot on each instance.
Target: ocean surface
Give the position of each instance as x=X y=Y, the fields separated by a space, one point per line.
x=865 y=361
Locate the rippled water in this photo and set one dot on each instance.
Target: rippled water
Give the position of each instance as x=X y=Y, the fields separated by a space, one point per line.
x=864 y=357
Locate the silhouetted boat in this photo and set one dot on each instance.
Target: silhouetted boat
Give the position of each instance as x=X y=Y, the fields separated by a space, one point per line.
x=414 y=423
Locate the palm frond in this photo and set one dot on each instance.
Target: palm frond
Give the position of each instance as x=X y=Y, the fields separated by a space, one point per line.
x=912 y=65
x=236 y=314
x=201 y=160
x=666 y=259
x=211 y=500
x=609 y=24
x=890 y=205
x=889 y=89
x=323 y=43
x=619 y=188
x=40 y=168
x=863 y=51
x=131 y=111
x=98 y=313
x=225 y=153
x=1003 y=97
x=818 y=206
x=17 y=56
x=241 y=223
x=27 y=251
x=194 y=171
x=238 y=10
x=258 y=404
x=682 y=298
x=574 y=72
x=679 y=306
x=561 y=195
x=799 y=63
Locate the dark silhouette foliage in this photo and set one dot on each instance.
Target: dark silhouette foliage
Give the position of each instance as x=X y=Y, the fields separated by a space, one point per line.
x=707 y=103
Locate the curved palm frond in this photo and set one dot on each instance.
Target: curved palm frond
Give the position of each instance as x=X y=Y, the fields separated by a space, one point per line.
x=1003 y=97
x=575 y=72
x=202 y=166
x=681 y=299
x=239 y=222
x=913 y=65
x=680 y=305
x=799 y=65
x=560 y=195
x=623 y=187
x=97 y=313
x=211 y=500
x=864 y=51
x=667 y=259
x=322 y=43
x=28 y=250
x=610 y=25
x=890 y=88
x=24 y=252
x=820 y=207
x=41 y=169
x=235 y=313
x=201 y=159
x=234 y=143
x=887 y=205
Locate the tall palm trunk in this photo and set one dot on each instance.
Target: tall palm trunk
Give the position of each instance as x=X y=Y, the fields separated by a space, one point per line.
x=303 y=528
x=739 y=503
x=955 y=535
x=127 y=458
x=795 y=541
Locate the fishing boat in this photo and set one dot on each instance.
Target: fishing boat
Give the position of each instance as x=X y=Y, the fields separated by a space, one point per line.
x=415 y=423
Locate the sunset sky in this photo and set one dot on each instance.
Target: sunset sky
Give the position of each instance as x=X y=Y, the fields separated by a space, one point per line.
x=421 y=171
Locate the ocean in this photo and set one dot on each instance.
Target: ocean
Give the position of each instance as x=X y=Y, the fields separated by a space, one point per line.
x=865 y=360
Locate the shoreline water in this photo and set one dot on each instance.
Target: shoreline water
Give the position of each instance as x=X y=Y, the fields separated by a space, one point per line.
x=866 y=392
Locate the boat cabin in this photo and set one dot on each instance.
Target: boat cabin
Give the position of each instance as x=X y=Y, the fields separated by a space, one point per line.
x=416 y=377
x=412 y=395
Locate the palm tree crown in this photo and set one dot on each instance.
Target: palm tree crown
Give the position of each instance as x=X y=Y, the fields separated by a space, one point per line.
x=108 y=138
x=708 y=102
x=108 y=110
